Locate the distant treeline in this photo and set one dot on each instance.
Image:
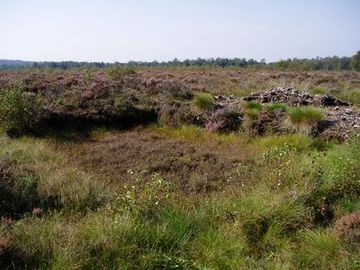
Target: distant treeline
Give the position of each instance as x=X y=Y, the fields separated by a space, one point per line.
x=319 y=63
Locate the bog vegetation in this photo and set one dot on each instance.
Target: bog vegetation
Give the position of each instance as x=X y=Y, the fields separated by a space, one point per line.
x=195 y=178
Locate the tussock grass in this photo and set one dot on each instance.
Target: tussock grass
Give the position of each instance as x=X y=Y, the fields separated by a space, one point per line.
x=305 y=115
x=320 y=249
x=253 y=105
x=203 y=101
x=252 y=109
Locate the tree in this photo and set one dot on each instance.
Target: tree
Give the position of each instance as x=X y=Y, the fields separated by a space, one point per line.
x=355 y=61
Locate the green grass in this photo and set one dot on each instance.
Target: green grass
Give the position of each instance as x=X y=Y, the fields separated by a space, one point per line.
x=321 y=250
x=253 y=105
x=297 y=141
x=253 y=109
x=267 y=223
x=352 y=96
x=56 y=178
x=318 y=90
x=305 y=115
x=203 y=101
x=196 y=135
x=341 y=169
x=274 y=207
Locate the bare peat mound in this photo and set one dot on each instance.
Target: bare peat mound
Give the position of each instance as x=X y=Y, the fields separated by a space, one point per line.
x=341 y=120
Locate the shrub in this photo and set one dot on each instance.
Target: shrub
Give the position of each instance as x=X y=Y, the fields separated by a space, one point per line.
x=175 y=90
x=355 y=61
x=87 y=74
x=176 y=114
x=223 y=121
x=349 y=226
x=118 y=73
x=18 y=110
x=305 y=117
x=203 y=101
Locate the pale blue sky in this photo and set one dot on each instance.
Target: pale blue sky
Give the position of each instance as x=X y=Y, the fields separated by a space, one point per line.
x=123 y=30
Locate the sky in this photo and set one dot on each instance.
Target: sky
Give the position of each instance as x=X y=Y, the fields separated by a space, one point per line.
x=146 y=30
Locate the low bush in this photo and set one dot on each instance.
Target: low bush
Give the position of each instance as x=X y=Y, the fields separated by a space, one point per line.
x=118 y=73
x=223 y=121
x=348 y=226
x=18 y=110
x=175 y=114
x=175 y=90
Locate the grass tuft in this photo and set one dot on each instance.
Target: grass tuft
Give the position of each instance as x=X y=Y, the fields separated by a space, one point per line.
x=203 y=101
x=306 y=115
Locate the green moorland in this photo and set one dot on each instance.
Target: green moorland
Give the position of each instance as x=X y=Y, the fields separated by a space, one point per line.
x=289 y=201
x=285 y=215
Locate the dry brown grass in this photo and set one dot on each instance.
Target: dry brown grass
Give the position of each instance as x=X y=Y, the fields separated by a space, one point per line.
x=194 y=163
